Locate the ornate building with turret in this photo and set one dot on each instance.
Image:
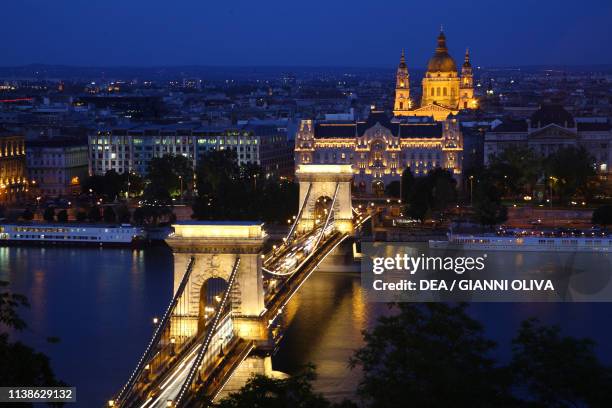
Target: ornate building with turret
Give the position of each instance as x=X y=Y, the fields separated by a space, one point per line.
x=380 y=148
x=445 y=91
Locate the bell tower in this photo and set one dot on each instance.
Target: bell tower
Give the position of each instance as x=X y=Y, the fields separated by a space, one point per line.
x=402 y=89
x=466 y=89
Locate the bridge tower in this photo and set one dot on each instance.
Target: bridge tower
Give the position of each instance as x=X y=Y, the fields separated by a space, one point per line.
x=215 y=246
x=321 y=181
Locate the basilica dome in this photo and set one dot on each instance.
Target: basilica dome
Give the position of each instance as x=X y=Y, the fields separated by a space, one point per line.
x=441 y=60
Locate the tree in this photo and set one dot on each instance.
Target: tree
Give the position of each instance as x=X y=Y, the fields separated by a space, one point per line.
x=27 y=215
x=430 y=354
x=93 y=184
x=393 y=189
x=433 y=192
x=407 y=184
x=443 y=189
x=9 y=302
x=228 y=191
x=602 y=215
x=418 y=203
x=49 y=214
x=109 y=214
x=20 y=363
x=265 y=392
x=569 y=170
x=559 y=371
x=488 y=209
x=134 y=184
x=169 y=172
x=515 y=170
x=94 y=214
x=114 y=184
x=62 y=216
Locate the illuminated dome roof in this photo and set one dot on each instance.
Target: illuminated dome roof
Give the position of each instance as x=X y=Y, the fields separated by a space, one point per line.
x=441 y=60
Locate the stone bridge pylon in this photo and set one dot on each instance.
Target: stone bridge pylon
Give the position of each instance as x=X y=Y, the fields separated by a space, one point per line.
x=321 y=181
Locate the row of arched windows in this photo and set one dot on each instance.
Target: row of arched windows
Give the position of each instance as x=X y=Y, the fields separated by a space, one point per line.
x=441 y=91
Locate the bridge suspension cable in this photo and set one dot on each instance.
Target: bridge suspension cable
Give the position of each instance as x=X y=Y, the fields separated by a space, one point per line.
x=320 y=236
x=329 y=214
x=157 y=333
x=209 y=335
x=299 y=215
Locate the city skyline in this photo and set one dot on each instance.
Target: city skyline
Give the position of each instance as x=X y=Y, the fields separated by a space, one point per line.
x=341 y=34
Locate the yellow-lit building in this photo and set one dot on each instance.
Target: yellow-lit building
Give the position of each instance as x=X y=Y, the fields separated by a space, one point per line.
x=379 y=149
x=445 y=91
x=13 y=182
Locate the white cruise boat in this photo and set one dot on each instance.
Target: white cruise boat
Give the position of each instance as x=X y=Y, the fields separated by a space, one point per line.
x=70 y=233
x=531 y=241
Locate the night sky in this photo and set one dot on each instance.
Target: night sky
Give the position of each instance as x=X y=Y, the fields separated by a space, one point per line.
x=353 y=33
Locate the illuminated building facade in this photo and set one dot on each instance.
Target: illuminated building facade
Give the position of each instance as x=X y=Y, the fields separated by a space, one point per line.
x=58 y=166
x=444 y=91
x=550 y=128
x=13 y=182
x=379 y=149
x=131 y=148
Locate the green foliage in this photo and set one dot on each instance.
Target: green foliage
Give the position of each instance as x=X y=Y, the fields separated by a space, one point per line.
x=516 y=169
x=265 y=392
x=228 y=191
x=20 y=363
x=393 y=189
x=407 y=184
x=430 y=354
x=62 y=216
x=165 y=174
x=23 y=365
x=488 y=208
x=49 y=214
x=572 y=168
x=114 y=185
x=8 y=304
x=434 y=192
x=559 y=371
x=603 y=215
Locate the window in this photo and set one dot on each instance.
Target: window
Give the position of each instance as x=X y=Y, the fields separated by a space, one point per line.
x=444 y=91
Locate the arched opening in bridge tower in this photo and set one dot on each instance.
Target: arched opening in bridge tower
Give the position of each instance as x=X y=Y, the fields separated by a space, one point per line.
x=210 y=296
x=321 y=209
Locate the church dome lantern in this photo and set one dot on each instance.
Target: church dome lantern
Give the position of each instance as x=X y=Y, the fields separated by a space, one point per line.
x=441 y=60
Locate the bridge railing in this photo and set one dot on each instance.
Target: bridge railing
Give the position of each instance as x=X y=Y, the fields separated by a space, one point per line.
x=153 y=347
x=223 y=308
x=298 y=218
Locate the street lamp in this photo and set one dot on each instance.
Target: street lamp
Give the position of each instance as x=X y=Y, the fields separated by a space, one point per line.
x=552 y=180
x=181 y=191
x=471 y=191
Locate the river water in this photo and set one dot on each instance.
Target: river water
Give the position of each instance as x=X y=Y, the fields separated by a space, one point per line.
x=100 y=303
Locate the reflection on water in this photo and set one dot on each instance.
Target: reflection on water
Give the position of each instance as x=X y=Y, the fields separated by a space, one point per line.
x=101 y=302
x=330 y=314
